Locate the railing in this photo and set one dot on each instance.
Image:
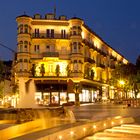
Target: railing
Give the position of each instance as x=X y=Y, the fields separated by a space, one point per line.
x=113 y=57
x=101 y=65
x=90 y=60
x=44 y=35
x=50 y=54
x=91 y=45
x=112 y=66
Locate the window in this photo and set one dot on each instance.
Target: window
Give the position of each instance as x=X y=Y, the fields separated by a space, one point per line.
x=50 y=33
x=74 y=47
x=36 y=32
x=36 y=48
x=25 y=28
x=75 y=61
x=75 y=66
x=25 y=60
x=80 y=61
x=74 y=32
x=20 y=28
x=48 y=48
x=50 y=69
x=63 y=50
x=63 y=33
x=25 y=46
x=52 y=49
x=21 y=46
x=20 y=60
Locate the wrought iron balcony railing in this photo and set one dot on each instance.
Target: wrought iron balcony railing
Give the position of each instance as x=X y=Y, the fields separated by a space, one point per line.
x=50 y=54
x=90 y=60
x=55 y=36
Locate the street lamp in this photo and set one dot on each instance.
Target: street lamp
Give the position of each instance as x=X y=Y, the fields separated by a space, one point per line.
x=121 y=82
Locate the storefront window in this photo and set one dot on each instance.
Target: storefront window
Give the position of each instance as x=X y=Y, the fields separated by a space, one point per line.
x=71 y=97
x=85 y=96
x=55 y=97
x=63 y=96
x=46 y=98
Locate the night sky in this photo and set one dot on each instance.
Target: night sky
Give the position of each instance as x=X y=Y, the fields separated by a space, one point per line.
x=117 y=22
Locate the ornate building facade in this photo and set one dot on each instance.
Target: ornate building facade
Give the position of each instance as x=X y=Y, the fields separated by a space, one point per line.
x=65 y=58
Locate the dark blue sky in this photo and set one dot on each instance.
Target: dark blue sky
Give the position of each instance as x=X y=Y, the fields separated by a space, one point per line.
x=117 y=22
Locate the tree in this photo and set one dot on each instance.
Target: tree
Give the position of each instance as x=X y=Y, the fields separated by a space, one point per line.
x=15 y=88
x=137 y=79
x=127 y=73
x=68 y=70
x=33 y=70
x=138 y=62
x=42 y=70
x=92 y=74
x=57 y=70
x=1 y=91
x=1 y=71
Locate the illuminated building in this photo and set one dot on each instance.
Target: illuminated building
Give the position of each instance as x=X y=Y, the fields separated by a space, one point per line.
x=64 y=57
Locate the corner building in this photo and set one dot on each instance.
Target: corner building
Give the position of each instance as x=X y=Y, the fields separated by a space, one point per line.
x=65 y=58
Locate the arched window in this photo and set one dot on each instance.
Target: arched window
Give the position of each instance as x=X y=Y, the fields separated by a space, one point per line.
x=26 y=28
x=25 y=46
x=20 y=28
x=20 y=46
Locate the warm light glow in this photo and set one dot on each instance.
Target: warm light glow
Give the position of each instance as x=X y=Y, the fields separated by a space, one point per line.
x=71 y=132
x=121 y=82
x=60 y=137
x=94 y=126
x=112 y=123
x=121 y=121
x=50 y=67
x=84 y=129
x=96 y=43
x=112 y=87
x=83 y=35
x=104 y=124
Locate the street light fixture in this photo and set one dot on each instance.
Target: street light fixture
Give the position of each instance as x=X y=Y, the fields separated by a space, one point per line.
x=121 y=82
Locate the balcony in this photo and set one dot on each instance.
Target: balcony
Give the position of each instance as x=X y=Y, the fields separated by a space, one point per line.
x=90 y=60
x=44 y=35
x=50 y=54
x=113 y=58
x=89 y=44
x=101 y=65
x=112 y=66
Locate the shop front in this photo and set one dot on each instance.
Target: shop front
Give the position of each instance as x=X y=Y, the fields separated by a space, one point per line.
x=51 y=93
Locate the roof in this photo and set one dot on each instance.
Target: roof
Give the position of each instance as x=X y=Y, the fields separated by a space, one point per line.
x=76 y=18
x=101 y=39
x=24 y=15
